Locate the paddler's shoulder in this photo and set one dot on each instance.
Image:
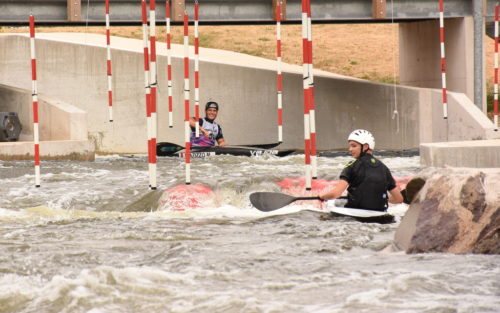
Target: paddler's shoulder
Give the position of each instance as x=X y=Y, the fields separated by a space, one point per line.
x=350 y=163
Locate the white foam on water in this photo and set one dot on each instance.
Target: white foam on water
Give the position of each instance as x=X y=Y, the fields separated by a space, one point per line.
x=68 y=247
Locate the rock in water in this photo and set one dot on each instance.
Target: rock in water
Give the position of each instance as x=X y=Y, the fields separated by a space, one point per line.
x=187 y=197
x=147 y=203
x=456 y=211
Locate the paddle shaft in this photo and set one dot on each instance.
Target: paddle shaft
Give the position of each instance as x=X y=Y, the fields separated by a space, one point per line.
x=307 y=198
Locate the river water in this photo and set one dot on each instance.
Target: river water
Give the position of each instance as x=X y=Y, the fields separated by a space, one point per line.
x=68 y=246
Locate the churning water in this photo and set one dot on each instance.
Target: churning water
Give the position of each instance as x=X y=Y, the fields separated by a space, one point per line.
x=69 y=246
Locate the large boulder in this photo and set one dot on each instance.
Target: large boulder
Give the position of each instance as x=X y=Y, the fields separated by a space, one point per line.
x=456 y=211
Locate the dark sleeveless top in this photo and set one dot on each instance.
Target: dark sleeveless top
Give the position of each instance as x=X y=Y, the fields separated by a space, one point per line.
x=369 y=180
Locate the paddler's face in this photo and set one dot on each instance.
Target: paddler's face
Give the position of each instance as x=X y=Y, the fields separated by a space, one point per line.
x=211 y=113
x=354 y=149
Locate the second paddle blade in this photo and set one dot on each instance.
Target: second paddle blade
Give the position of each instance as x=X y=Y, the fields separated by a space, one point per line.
x=270 y=201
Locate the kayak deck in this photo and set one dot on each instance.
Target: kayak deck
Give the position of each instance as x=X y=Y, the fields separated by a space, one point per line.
x=367 y=216
x=202 y=152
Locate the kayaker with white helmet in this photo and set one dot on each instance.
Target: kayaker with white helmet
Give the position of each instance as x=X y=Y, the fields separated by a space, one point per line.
x=368 y=181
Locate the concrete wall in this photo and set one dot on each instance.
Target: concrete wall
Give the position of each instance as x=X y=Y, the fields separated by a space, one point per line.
x=62 y=127
x=72 y=67
x=465 y=120
x=57 y=120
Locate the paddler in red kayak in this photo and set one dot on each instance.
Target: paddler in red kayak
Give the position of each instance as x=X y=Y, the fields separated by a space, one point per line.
x=368 y=181
x=210 y=131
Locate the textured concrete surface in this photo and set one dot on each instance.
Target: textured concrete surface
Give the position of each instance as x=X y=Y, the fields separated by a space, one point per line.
x=475 y=153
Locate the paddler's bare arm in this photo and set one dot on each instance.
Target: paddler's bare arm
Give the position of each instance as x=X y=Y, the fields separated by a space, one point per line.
x=221 y=142
x=335 y=192
x=395 y=195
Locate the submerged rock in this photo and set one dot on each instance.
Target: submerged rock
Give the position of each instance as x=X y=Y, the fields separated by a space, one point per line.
x=456 y=211
x=146 y=203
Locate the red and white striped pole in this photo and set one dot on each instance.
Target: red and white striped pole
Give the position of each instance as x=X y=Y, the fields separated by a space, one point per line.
x=443 y=58
x=187 y=129
x=108 y=48
x=312 y=115
x=196 y=69
x=34 y=95
x=169 y=66
x=279 y=80
x=307 y=120
x=495 y=87
x=153 y=83
x=147 y=90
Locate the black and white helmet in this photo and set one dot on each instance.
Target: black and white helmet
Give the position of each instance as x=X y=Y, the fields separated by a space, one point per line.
x=212 y=104
x=363 y=136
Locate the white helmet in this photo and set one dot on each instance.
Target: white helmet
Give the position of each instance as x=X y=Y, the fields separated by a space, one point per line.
x=363 y=136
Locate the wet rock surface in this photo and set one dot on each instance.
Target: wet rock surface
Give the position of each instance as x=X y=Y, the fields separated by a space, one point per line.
x=456 y=211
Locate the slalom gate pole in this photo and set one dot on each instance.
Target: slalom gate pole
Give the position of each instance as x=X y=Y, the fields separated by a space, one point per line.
x=169 y=66
x=196 y=69
x=147 y=88
x=108 y=49
x=312 y=115
x=443 y=58
x=305 y=56
x=187 y=129
x=279 y=80
x=34 y=95
x=153 y=84
x=495 y=87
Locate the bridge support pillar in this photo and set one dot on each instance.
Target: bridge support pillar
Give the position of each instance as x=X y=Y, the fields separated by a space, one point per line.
x=419 y=55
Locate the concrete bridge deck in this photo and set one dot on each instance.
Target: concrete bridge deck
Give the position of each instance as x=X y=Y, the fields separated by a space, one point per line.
x=237 y=11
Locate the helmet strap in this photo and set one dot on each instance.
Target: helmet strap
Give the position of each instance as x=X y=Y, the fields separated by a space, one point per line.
x=363 y=151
